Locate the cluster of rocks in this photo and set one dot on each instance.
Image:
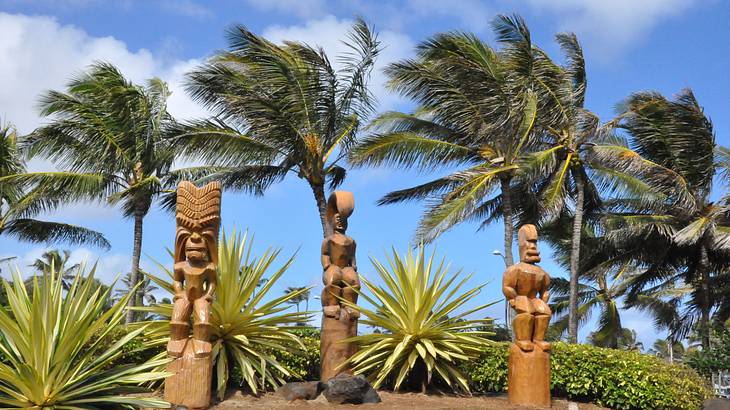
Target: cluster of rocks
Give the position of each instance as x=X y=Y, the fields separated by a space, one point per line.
x=343 y=389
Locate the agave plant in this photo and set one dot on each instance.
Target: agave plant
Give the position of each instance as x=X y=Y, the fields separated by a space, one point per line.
x=416 y=311
x=245 y=328
x=52 y=351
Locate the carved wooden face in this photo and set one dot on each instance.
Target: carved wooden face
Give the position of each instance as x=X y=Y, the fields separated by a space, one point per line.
x=196 y=245
x=339 y=223
x=527 y=240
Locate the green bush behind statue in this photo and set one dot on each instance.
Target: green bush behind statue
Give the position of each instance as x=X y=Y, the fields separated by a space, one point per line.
x=608 y=377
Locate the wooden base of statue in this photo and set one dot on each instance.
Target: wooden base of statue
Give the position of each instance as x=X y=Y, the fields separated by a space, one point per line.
x=528 y=377
x=190 y=385
x=333 y=351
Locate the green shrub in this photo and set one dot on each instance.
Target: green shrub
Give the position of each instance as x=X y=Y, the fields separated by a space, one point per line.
x=247 y=325
x=427 y=330
x=302 y=365
x=614 y=378
x=55 y=348
x=716 y=358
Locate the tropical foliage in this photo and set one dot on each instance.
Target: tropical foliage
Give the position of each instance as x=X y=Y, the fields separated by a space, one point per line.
x=281 y=109
x=246 y=324
x=607 y=377
x=515 y=119
x=108 y=137
x=21 y=202
x=682 y=236
x=52 y=352
x=418 y=310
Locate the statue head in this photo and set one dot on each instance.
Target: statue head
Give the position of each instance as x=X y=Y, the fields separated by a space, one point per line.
x=339 y=207
x=198 y=221
x=527 y=240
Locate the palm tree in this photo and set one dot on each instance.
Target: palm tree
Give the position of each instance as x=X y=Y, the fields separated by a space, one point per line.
x=302 y=296
x=145 y=291
x=660 y=348
x=280 y=109
x=108 y=136
x=686 y=232
x=476 y=114
x=54 y=261
x=146 y=285
x=580 y=157
x=20 y=203
x=605 y=295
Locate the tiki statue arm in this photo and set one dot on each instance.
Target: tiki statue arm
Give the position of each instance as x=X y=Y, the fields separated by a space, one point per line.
x=212 y=283
x=354 y=260
x=178 y=279
x=544 y=293
x=509 y=282
x=325 y=257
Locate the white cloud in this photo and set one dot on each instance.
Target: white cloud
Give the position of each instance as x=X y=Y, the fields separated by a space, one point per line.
x=611 y=25
x=39 y=54
x=329 y=32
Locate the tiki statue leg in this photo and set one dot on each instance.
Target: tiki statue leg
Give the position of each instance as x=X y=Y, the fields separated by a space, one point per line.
x=351 y=284
x=523 y=325
x=179 y=327
x=201 y=328
x=541 y=325
x=330 y=303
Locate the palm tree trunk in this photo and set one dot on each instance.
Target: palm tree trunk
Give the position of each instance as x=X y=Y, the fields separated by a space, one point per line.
x=671 y=350
x=508 y=238
x=575 y=258
x=508 y=224
x=706 y=294
x=318 y=190
x=136 y=253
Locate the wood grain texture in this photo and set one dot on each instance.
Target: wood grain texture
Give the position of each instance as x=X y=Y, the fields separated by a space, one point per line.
x=528 y=378
x=333 y=350
x=190 y=384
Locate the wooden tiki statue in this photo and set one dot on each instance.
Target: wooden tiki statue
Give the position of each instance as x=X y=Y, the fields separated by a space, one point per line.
x=195 y=274
x=339 y=274
x=525 y=285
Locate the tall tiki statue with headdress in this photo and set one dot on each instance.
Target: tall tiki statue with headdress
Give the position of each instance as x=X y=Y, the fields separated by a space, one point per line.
x=341 y=283
x=198 y=220
x=196 y=260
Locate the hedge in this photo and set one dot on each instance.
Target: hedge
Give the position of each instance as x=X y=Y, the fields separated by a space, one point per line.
x=612 y=378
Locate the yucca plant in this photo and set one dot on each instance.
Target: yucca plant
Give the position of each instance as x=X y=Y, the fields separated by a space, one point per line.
x=416 y=309
x=51 y=342
x=245 y=326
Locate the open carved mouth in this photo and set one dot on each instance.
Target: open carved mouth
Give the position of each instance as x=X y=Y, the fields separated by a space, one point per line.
x=195 y=248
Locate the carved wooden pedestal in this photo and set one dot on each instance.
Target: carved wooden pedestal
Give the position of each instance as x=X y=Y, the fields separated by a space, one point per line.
x=529 y=377
x=190 y=385
x=334 y=352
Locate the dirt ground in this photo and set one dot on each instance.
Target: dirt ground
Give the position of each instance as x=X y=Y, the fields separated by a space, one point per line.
x=391 y=401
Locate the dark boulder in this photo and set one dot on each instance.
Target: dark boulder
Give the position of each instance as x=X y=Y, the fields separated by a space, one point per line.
x=346 y=389
x=301 y=390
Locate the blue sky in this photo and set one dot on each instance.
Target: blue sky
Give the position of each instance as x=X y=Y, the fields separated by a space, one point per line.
x=662 y=45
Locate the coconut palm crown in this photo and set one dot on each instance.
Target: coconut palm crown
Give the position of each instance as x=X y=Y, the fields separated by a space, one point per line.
x=280 y=109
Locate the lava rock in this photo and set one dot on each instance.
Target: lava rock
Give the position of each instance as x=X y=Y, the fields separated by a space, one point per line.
x=301 y=390
x=347 y=389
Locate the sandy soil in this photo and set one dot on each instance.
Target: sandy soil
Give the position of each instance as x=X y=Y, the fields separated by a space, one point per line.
x=391 y=401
